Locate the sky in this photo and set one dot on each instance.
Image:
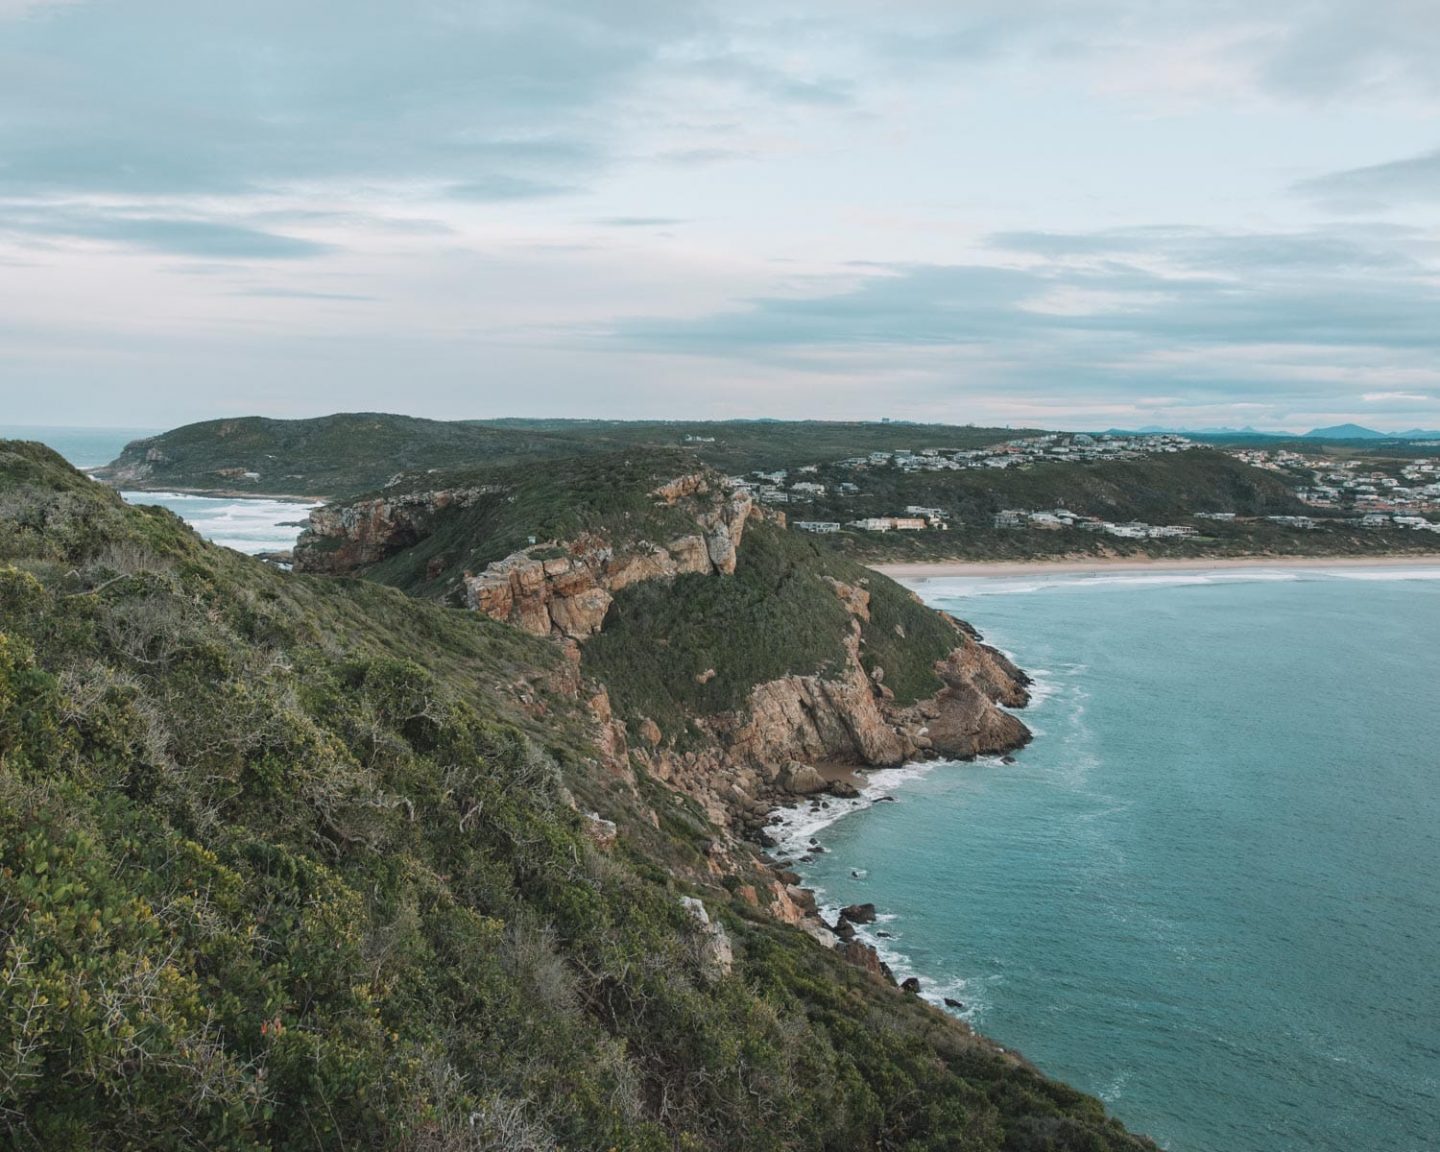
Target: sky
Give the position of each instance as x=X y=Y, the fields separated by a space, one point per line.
x=1058 y=213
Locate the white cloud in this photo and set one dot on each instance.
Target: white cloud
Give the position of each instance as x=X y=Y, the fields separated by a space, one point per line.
x=779 y=205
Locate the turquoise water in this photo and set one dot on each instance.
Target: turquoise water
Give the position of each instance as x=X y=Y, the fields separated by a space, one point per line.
x=247 y=525
x=83 y=447
x=250 y=525
x=1210 y=891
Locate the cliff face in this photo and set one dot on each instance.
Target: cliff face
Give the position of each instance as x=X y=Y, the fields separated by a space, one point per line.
x=561 y=588
x=341 y=538
x=568 y=594
x=796 y=736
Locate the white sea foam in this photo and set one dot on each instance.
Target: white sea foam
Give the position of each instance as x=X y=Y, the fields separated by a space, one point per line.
x=1043 y=686
x=795 y=827
x=1384 y=574
x=933 y=988
x=247 y=525
x=970 y=587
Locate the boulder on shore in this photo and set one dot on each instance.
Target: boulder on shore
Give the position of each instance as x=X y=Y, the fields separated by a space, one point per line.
x=802 y=779
x=911 y=985
x=858 y=913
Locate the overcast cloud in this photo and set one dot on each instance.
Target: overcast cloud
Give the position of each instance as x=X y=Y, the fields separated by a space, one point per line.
x=1069 y=212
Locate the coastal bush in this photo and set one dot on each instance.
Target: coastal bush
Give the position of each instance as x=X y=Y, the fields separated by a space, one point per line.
x=779 y=615
x=292 y=864
x=609 y=494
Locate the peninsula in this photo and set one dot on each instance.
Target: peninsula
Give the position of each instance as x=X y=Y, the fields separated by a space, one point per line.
x=462 y=853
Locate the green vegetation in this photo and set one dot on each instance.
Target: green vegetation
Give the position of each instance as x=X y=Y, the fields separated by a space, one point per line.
x=281 y=868
x=342 y=455
x=610 y=493
x=1158 y=489
x=326 y=457
x=737 y=446
x=697 y=647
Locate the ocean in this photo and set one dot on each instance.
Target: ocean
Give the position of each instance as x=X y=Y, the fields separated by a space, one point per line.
x=247 y=525
x=1209 y=892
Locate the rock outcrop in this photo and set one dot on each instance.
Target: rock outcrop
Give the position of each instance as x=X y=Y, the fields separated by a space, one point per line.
x=716 y=954
x=772 y=750
x=341 y=538
x=560 y=588
x=569 y=593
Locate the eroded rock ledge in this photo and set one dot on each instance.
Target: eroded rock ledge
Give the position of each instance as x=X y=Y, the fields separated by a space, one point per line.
x=341 y=538
x=569 y=593
x=796 y=735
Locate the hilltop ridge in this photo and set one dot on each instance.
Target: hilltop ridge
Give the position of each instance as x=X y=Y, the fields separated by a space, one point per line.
x=326 y=456
x=348 y=453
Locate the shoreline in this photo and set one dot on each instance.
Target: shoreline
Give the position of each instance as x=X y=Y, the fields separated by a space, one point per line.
x=939 y=569
x=209 y=493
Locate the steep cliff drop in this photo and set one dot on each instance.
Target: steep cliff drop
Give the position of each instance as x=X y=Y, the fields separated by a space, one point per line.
x=789 y=734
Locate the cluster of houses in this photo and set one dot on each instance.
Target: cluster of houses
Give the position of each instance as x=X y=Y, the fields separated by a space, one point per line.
x=915 y=519
x=1054 y=447
x=1355 y=485
x=1397 y=520
x=1376 y=498
x=1064 y=518
x=780 y=487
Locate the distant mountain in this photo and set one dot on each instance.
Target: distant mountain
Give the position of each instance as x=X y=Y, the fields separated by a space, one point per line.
x=1335 y=432
x=1347 y=432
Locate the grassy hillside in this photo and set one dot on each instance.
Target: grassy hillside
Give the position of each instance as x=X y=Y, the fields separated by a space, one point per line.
x=348 y=453
x=281 y=868
x=327 y=457
x=736 y=446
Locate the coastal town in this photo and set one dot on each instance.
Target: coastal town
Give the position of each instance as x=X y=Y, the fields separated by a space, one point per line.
x=1403 y=495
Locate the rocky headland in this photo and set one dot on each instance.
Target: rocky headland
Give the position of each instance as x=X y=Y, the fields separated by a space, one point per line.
x=788 y=739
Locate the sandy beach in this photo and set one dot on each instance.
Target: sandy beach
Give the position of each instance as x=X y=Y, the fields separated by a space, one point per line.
x=950 y=568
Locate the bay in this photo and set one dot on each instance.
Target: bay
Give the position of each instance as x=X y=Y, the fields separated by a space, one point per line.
x=1209 y=892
